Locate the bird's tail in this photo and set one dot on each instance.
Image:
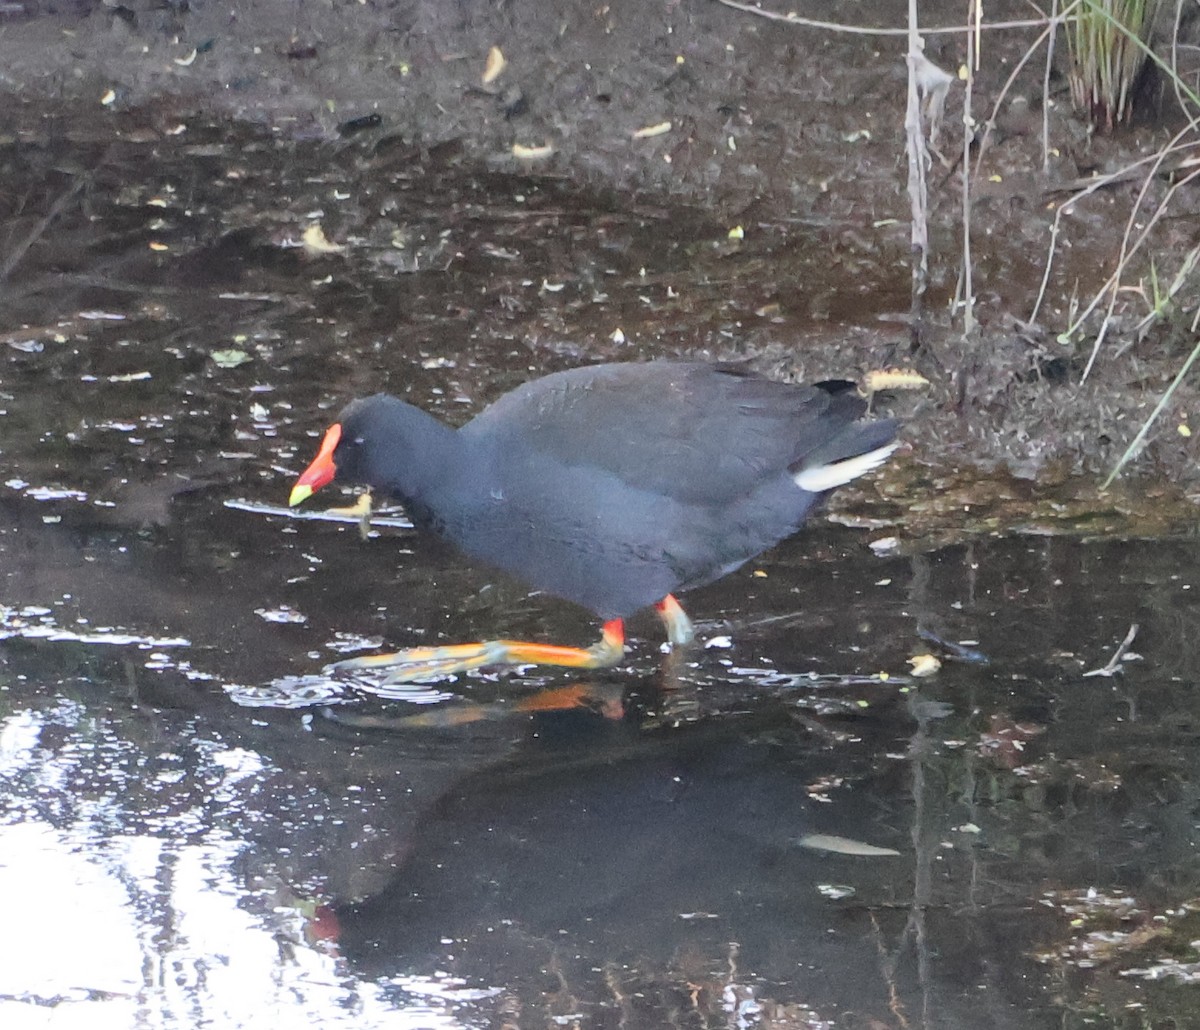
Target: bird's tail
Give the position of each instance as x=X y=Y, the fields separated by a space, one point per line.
x=854 y=452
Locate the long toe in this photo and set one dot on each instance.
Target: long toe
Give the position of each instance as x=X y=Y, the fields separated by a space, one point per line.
x=371 y=661
x=415 y=664
x=470 y=653
x=428 y=671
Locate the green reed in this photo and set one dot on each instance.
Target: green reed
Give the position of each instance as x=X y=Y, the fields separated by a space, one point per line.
x=1107 y=43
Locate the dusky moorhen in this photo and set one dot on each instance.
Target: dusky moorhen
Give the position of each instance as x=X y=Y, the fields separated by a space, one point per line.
x=614 y=486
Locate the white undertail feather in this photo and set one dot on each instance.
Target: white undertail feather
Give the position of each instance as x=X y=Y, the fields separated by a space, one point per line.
x=820 y=478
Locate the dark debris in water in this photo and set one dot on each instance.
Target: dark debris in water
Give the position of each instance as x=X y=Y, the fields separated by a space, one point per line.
x=1115 y=930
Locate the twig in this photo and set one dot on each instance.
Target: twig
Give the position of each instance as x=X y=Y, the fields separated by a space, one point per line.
x=1097 y=183
x=975 y=11
x=791 y=18
x=1128 y=251
x=918 y=160
x=1041 y=294
x=1175 y=77
x=990 y=124
x=1114 y=663
x=1136 y=443
x=19 y=251
x=1054 y=20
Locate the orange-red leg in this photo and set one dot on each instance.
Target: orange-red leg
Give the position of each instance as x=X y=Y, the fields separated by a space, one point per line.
x=422 y=663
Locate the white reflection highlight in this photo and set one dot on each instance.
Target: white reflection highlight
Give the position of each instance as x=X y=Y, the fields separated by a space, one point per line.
x=112 y=930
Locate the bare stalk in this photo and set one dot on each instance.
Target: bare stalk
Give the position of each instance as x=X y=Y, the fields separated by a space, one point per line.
x=990 y=124
x=975 y=15
x=791 y=18
x=918 y=163
x=1046 y=92
x=1138 y=441
x=1175 y=146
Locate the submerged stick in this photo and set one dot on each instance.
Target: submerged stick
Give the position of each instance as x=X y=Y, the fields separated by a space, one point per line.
x=1114 y=663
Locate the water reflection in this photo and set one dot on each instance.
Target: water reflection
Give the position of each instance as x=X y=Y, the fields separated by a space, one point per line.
x=624 y=848
x=134 y=900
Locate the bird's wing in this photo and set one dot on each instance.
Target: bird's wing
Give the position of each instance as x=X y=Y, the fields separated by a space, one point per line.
x=694 y=432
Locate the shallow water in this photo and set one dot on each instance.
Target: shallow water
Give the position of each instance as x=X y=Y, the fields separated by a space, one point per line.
x=655 y=852
x=198 y=828
x=640 y=846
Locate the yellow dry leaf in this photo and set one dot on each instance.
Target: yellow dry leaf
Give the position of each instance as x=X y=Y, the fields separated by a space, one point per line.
x=524 y=153
x=316 y=242
x=494 y=67
x=649 y=131
x=924 y=664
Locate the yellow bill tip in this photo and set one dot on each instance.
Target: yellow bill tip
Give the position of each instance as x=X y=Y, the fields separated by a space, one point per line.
x=301 y=492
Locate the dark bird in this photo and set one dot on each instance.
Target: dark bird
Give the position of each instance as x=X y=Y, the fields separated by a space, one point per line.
x=614 y=486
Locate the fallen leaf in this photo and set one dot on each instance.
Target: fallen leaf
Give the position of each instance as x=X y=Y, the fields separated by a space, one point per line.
x=230 y=358
x=495 y=66
x=524 y=153
x=843 y=846
x=316 y=242
x=650 y=131
x=924 y=664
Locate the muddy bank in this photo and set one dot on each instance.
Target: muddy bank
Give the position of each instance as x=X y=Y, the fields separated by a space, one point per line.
x=248 y=127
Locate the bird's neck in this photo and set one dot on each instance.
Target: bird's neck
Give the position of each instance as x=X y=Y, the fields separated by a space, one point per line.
x=428 y=465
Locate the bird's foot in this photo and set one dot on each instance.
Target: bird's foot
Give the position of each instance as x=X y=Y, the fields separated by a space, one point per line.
x=675 y=621
x=420 y=664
